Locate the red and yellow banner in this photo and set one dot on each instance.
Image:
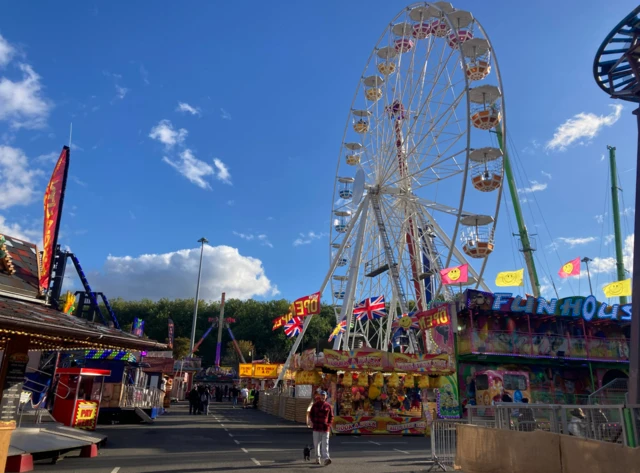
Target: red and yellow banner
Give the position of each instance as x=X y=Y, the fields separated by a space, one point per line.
x=279 y=322
x=428 y=364
x=86 y=415
x=395 y=425
x=53 y=200
x=355 y=360
x=245 y=370
x=434 y=317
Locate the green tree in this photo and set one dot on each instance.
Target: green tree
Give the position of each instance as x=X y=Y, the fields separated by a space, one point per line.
x=181 y=347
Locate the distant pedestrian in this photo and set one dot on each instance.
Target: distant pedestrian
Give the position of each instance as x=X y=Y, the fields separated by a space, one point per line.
x=193 y=400
x=244 y=395
x=320 y=419
x=204 y=399
x=256 y=398
x=233 y=392
x=226 y=392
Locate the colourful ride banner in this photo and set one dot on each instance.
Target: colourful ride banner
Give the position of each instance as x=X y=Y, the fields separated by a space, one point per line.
x=434 y=317
x=385 y=361
x=53 y=200
x=428 y=364
x=394 y=425
x=355 y=360
x=307 y=305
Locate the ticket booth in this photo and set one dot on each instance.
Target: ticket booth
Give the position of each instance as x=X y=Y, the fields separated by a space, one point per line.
x=78 y=394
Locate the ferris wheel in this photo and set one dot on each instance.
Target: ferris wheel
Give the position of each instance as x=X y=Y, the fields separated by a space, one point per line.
x=420 y=173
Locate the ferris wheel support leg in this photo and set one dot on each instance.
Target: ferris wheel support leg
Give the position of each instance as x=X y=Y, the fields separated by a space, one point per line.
x=332 y=268
x=354 y=266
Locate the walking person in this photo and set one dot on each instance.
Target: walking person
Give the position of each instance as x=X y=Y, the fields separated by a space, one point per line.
x=204 y=399
x=244 y=395
x=226 y=393
x=320 y=419
x=233 y=392
x=193 y=400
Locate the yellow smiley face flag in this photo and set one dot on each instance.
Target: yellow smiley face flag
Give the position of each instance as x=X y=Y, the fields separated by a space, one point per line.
x=510 y=278
x=618 y=288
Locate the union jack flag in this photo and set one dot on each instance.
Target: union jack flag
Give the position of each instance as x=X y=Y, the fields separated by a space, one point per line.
x=340 y=328
x=293 y=327
x=371 y=308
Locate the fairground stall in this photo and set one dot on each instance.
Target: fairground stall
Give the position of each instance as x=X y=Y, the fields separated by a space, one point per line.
x=375 y=392
x=133 y=390
x=556 y=351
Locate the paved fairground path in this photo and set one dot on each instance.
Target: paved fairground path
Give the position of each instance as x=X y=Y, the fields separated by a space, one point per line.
x=237 y=440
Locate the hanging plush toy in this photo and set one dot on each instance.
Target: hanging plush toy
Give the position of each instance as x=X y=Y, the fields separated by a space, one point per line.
x=423 y=382
x=409 y=382
x=378 y=380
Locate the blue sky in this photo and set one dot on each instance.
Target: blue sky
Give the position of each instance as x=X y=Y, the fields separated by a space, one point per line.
x=248 y=160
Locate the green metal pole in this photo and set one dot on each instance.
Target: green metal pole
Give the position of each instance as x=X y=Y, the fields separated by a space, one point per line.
x=616 y=218
x=522 y=229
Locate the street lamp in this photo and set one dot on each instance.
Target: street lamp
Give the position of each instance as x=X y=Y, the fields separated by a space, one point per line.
x=586 y=260
x=202 y=241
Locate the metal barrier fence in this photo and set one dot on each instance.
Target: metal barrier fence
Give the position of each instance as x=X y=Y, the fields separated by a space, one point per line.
x=443 y=443
x=602 y=423
x=136 y=396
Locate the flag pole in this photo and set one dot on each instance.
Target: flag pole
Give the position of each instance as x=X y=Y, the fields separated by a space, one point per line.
x=586 y=260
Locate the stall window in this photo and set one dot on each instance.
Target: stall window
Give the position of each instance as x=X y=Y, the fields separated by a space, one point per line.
x=515 y=381
x=482 y=382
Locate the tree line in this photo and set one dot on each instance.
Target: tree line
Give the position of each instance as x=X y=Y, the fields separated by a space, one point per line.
x=253 y=323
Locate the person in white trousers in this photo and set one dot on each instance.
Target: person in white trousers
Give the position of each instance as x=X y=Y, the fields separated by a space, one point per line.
x=320 y=419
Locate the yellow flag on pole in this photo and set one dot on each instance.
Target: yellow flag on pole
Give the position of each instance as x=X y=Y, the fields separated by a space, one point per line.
x=618 y=288
x=510 y=278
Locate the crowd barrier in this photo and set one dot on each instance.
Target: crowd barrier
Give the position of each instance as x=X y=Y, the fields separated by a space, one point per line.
x=518 y=437
x=281 y=405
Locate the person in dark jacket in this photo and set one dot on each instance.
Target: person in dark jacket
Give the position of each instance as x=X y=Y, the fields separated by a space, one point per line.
x=194 y=399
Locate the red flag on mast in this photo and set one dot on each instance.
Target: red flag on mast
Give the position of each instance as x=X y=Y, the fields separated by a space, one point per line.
x=572 y=268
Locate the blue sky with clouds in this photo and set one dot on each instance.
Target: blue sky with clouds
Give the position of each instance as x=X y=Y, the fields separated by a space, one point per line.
x=225 y=120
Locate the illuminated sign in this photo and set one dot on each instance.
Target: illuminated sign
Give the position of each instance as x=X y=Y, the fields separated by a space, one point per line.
x=53 y=200
x=265 y=371
x=86 y=415
x=587 y=308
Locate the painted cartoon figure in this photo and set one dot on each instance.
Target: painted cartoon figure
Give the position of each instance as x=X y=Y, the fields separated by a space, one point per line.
x=494 y=386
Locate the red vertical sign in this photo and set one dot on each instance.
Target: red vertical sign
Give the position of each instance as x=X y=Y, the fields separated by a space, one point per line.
x=53 y=199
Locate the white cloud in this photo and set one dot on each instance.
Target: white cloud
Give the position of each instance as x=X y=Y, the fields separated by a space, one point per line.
x=628 y=211
x=17 y=178
x=153 y=276
x=582 y=126
x=535 y=187
x=49 y=157
x=6 y=52
x=608 y=239
x=165 y=134
x=191 y=168
x=264 y=240
x=185 y=107
x=224 y=114
x=77 y=180
x=21 y=102
x=144 y=74
x=608 y=265
x=600 y=217
x=573 y=242
x=306 y=238
x=33 y=235
x=546 y=174
x=121 y=92
x=231 y=203
x=244 y=236
x=223 y=171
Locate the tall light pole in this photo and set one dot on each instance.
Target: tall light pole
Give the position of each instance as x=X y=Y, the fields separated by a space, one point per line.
x=202 y=240
x=586 y=260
